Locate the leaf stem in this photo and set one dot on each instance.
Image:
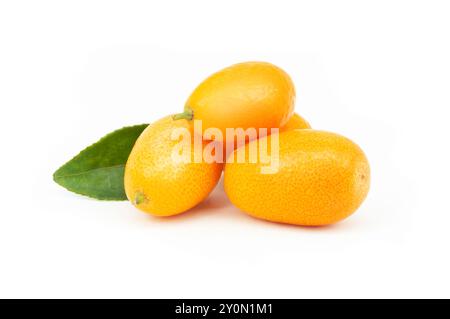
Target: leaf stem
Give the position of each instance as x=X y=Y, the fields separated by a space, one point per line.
x=188 y=114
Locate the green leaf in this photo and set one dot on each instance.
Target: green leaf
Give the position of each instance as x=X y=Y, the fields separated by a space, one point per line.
x=98 y=170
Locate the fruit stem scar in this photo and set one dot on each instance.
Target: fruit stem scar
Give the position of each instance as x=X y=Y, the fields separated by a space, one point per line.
x=139 y=198
x=188 y=114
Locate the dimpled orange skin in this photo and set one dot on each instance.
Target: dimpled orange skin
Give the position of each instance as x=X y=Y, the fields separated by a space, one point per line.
x=245 y=95
x=161 y=186
x=322 y=178
x=295 y=122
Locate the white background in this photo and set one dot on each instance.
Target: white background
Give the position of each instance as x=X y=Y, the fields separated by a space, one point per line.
x=72 y=71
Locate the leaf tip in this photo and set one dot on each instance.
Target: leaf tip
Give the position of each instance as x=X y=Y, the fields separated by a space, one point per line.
x=55 y=176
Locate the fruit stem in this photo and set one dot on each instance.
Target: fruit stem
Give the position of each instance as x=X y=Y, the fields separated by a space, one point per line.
x=139 y=198
x=188 y=114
